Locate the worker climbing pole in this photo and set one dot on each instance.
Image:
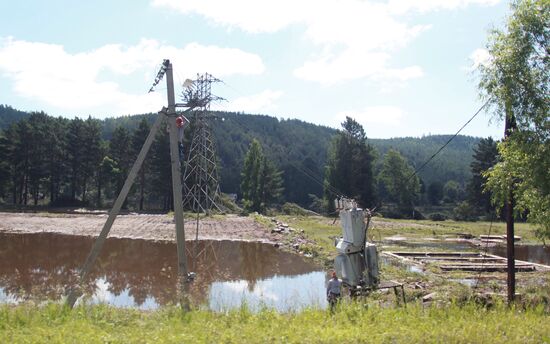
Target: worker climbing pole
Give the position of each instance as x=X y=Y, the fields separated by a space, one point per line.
x=181 y=123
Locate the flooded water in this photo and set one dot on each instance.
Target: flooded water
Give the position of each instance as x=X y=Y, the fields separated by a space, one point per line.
x=143 y=274
x=530 y=253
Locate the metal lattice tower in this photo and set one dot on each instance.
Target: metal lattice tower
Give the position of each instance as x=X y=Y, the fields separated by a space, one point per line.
x=201 y=188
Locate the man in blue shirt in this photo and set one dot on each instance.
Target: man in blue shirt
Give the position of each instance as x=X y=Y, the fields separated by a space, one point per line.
x=333 y=290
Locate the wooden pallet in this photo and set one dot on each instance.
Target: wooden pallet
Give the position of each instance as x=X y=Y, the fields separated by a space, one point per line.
x=464 y=261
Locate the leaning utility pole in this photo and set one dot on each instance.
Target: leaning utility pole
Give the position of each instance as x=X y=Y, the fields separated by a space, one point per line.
x=509 y=127
x=171 y=115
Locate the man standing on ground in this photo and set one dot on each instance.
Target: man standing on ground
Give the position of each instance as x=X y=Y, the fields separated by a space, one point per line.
x=333 y=290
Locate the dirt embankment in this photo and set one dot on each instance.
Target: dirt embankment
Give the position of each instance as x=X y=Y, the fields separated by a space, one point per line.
x=136 y=226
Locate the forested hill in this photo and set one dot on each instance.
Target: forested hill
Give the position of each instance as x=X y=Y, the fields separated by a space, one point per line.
x=453 y=163
x=9 y=115
x=299 y=149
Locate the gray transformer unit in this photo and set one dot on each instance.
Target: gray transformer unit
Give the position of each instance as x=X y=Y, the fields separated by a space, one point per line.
x=357 y=261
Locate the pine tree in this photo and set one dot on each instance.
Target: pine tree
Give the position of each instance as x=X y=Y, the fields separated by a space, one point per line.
x=161 y=174
x=120 y=152
x=56 y=167
x=271 y=184
x=37 y=134
x=107 y=174
x=401 y=188
x=485 y=156
x=251 y=176
x=349 y=169
x=261 y=184
x=138 y=139
x=21 y=159
x=435 y=193
x=92 y=153
x=75 y=155
x=4 y=166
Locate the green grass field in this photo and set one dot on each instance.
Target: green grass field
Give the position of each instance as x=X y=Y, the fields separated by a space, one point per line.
x=321 y=231
x=456 y=315
x=351 y=323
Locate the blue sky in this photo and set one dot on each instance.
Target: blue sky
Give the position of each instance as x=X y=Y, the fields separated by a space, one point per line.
x=399 y=67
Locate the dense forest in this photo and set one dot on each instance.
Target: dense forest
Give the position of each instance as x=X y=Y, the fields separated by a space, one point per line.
x=73 y=160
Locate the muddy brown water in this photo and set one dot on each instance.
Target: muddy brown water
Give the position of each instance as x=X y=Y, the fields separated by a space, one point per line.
x=143 y=274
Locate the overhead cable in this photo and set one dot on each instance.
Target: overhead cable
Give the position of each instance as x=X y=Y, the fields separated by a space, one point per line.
x=449 y=141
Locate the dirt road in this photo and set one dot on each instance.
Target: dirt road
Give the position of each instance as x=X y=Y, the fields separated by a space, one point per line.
x=135 y=226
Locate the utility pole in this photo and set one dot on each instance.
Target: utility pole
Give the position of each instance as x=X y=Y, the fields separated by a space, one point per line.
x=169 y=114
x=176 y=174
x=509 y=127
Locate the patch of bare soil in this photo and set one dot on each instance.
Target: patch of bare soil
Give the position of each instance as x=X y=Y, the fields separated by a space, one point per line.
x=136 y=226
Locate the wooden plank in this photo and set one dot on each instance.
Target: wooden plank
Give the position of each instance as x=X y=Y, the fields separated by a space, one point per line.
x=482 y=264
x=438 y=254
x=487 y=268
x=461 y=259
x=466 y=261
x=497 y=237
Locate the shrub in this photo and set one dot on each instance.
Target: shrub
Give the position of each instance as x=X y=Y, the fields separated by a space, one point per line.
x=464 y=212
x=294 y=209
x=67 y=201
x=227 y=203
x=437 y=217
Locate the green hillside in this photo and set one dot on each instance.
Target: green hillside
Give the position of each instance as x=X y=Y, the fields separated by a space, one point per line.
x=9 y=115
x=453 y=163
x=299 y=149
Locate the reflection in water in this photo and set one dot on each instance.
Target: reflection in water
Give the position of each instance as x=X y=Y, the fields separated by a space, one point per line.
x=143 y=274
x=281 y=292
x=530 y=253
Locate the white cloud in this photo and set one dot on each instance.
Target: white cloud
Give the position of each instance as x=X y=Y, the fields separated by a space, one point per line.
x=319 y=15
x=478 y=58
x=257 y=103
x=71 y=81
x=402 y=6
x=385 y=115
x=356 y=37
x=249 y=15
x=352 y=64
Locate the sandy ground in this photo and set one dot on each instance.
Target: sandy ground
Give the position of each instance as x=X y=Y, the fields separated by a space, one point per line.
x=135 y=226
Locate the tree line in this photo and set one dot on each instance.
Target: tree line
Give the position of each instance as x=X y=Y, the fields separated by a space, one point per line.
x=298 y=149
x=61 y=162
x=65 y=162
x=391 y=184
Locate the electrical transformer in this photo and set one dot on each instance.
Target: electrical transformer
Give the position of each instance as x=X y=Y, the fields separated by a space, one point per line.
x=357 y=261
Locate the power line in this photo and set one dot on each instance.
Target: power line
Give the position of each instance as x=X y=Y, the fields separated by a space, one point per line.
x=308 y=173
x=337 y=192
x=449 y=141
x=329 y=187
x=486 y=249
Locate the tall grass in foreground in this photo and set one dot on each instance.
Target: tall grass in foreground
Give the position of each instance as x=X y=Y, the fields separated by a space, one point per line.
x=55 y=323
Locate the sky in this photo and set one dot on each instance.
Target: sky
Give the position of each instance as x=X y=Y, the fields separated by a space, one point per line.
x=399 y=67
